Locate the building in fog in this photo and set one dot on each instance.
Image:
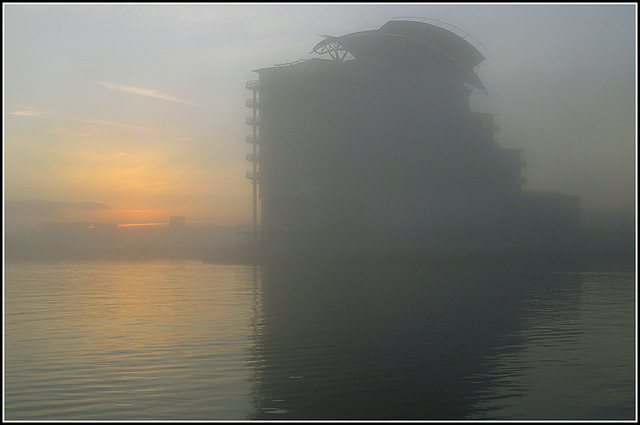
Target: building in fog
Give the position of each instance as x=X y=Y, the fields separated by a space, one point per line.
x=373 y=148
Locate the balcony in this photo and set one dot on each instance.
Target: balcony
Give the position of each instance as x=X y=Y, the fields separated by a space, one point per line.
x=253 y=103
x=253 y=85
x=253 y=176
x=254 y=140
x=253 y=121
x=253 y=157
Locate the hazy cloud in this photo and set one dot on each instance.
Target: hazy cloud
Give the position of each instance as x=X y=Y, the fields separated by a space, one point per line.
x=144 y=92
x=118 y=124
x=27 y=112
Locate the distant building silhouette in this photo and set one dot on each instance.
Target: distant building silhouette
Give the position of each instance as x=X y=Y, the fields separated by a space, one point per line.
x=374 y=149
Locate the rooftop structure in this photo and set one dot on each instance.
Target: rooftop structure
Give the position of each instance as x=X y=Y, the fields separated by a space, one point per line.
x=420 y=42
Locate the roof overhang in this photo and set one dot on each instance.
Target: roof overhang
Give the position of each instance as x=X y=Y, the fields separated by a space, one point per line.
x=419 y=42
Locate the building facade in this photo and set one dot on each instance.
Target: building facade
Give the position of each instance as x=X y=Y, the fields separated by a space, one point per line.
x=373 y=148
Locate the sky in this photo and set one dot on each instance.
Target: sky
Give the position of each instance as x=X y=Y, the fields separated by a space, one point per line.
x=132 y=113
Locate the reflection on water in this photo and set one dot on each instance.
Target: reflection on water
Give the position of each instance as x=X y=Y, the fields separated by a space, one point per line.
x=445 y=342
x=187 y=340
x=573 y=358
x=389 y=341
x=140 y=341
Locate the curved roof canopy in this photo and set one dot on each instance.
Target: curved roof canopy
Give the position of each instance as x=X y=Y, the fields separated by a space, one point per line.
x=408 y=39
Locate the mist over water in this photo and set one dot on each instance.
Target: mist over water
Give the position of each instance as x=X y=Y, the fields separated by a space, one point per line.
x=410 y=255
x=178 y=340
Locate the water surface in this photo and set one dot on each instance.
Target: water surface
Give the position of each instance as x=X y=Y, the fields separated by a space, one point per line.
x=185 y=340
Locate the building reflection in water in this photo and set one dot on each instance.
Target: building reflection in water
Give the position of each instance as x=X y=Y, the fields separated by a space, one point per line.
x=393 y=341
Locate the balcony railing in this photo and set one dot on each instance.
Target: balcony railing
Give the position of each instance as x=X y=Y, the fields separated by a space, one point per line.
x=253 y=103
x=253 y=85
x=253 y=121
x=253 y=157
x=254 y=140
x=253 y=176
